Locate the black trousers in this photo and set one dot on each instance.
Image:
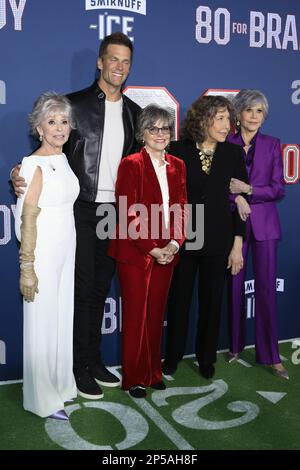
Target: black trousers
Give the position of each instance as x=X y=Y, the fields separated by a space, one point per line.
x=212 y=270
x=93 y=274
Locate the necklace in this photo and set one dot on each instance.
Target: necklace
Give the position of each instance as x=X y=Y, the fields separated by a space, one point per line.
x=206 y=157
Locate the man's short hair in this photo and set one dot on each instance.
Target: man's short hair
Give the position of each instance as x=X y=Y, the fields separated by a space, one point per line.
x=117 y=38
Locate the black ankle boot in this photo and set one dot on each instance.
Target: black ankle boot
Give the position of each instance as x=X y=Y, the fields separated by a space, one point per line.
x=169 y=369
x=207 y=370
x=159 y=386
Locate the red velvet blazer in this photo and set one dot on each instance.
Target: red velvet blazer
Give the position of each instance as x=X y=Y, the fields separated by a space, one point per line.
x=137 y=181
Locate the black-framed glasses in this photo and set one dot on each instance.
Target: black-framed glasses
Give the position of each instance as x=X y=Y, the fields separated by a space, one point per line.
x=154 y=130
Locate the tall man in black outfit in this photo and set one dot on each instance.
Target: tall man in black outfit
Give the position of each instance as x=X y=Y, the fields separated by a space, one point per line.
x=105 y=131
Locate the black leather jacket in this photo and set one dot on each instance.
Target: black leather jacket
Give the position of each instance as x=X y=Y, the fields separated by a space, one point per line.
x=83 y=148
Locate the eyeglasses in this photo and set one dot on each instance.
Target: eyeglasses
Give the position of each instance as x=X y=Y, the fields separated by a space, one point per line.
x=155 y=130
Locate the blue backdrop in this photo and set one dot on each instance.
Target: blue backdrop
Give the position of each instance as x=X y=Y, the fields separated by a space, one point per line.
x=186 y=46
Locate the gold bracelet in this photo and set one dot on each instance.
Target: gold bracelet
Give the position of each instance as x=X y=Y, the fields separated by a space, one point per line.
x=249 y=193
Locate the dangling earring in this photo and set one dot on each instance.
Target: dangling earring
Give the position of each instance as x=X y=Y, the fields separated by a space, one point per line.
x=41 y=138
x=238 y=123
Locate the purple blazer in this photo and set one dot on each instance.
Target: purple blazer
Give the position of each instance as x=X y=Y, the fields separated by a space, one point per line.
x=266 y=178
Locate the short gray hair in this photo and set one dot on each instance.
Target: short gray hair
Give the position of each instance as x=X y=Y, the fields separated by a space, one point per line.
x=149 y=116
x=48 y=103
x=247 y=98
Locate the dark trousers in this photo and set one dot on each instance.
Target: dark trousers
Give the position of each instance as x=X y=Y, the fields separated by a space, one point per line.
x=212 y=271
x=93 y=274
x=266 y=330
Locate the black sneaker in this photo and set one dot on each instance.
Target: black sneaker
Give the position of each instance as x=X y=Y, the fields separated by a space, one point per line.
x=137 y=391
x=103 y=377
x=87 y=387
x=159 y=386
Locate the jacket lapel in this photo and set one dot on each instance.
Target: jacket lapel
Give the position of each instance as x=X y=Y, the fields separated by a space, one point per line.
x=217 y=165
x=172 y=180
x=151 y=178
x=257 y=165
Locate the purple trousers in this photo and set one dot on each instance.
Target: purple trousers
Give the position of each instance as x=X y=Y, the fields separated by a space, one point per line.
x=264 y=267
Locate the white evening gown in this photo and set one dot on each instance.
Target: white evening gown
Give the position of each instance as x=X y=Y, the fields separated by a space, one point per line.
x=48 y=321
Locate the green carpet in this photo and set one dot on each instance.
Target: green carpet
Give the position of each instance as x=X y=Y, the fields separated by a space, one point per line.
x=243 y=407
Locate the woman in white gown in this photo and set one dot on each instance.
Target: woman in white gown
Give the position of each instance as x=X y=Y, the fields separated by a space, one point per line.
x=45 y=227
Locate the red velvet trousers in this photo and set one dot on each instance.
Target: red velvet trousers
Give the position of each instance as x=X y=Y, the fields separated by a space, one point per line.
x=144 y=295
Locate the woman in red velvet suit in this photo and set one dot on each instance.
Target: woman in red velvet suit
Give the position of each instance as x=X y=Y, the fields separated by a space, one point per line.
x=151 y=198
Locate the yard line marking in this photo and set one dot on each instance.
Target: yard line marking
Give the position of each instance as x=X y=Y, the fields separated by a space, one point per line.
x=283 y=358
x=168 y=377
x=244 y=363
x=273 y=397
x=162 y=424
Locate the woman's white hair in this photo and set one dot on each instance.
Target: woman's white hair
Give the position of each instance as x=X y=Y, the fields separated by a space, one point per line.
x=48 y=103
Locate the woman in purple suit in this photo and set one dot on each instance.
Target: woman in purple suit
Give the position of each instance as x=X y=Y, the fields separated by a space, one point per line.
x=264 y=165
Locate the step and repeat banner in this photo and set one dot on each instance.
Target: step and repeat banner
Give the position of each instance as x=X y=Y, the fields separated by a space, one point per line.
x=183 y=48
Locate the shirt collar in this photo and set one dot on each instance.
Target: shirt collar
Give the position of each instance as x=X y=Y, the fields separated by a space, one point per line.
x=156 y=162
x=240 y=140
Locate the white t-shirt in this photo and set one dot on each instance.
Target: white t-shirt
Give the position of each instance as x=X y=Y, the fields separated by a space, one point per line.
x=111 y=152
